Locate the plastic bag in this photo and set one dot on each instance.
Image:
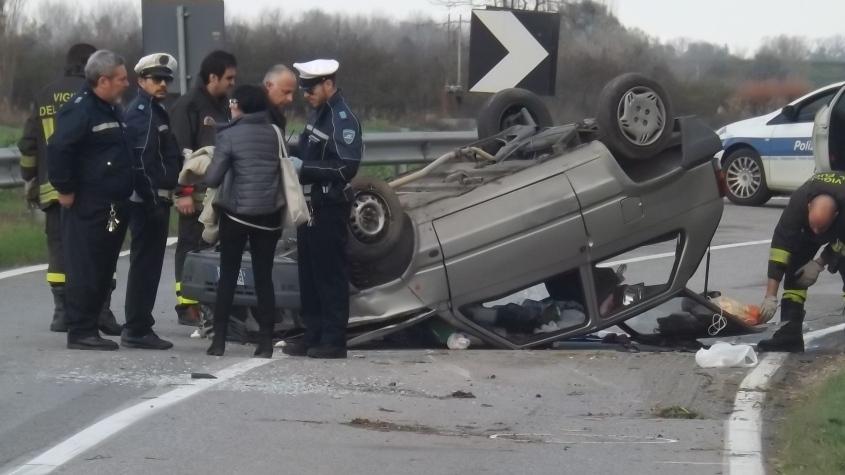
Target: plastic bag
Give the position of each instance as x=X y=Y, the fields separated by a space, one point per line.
x=750 y=314
x=726 y=355
x=457 y=341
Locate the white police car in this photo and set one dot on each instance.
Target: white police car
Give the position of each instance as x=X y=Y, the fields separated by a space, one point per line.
x=772 y=153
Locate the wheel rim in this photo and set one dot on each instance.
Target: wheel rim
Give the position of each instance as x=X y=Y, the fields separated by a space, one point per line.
x=368 y=220
x=641 y=116
x=744 y=177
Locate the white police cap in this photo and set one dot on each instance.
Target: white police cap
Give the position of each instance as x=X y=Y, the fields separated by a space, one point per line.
x=317 y=69
x=156 y=64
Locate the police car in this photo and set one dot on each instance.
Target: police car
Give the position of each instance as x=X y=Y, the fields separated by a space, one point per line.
x=772 y=153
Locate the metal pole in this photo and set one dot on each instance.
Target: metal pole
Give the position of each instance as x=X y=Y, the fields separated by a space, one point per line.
x=707 y=273
x=460 y=45
x=181 y=49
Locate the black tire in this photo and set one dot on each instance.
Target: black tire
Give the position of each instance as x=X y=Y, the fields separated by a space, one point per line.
x=375 y=220
x=503 y=110
x=635 y=117
x=745 y=178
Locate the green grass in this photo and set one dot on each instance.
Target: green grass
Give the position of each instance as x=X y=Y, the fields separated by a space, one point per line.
x=9 y=136
x=812 y=439
x=22 y=238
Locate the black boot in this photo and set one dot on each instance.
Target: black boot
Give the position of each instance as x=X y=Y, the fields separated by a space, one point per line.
x=265 y=338
x=58 y=324
x=106 y=321
x=789 y=337
x=218 y=341
x=92 y=342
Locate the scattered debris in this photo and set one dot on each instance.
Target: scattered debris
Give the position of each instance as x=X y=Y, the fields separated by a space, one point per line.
x=462 y=395
x=384 y=426
x=492 y=376
x=202 y=376
x=386 y=410
x=486 y=405
x=675 y=412
x=538 y=396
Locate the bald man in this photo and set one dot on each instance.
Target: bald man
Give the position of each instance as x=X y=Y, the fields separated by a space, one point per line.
x=280 y=83
x=811 y=220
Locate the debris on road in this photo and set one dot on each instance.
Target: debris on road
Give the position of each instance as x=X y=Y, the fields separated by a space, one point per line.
x=202 y=376
x=726 y=355
x=675 y=412
x=461 y=395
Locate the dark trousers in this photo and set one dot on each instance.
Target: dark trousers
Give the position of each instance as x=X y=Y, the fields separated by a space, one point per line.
x=90 y=260
x=262 y=249
x=324 y=276
x=189 y=240
x=148 y=225
x=55 y=256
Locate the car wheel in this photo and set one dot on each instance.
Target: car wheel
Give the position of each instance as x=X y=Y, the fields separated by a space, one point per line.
x=635 y=117
x=504 y=110
x=375 y=219
x=745 y=178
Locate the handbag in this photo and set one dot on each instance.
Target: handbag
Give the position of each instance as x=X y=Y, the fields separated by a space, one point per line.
x=295 y=212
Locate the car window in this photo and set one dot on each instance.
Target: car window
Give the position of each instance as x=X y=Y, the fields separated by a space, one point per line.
x=807 y=111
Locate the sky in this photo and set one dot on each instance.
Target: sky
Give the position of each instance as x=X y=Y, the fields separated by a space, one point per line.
x=740 y=24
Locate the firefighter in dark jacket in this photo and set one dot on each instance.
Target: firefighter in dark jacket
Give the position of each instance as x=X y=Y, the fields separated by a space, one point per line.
x=194 y=119
x=90 y=163
x=330 y=149
x=156 y=175
x=811 y=220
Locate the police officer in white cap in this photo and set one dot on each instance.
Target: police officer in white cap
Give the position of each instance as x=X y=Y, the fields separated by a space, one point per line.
x=158 y=163
x=330 y=149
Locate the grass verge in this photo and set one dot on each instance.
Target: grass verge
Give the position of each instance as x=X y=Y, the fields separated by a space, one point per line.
x=22 y=238
x=812 y=438
x=9 y=136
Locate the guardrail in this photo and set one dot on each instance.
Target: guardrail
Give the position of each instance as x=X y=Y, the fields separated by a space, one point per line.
x=382 y=148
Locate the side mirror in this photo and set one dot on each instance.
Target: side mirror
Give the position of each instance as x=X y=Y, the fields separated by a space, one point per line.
x=790 y=112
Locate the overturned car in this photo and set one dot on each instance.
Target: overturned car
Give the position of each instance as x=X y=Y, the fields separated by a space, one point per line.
x=520 y=238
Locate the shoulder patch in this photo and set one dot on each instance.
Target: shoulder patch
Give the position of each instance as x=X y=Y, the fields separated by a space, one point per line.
x=348 y=136
x=342 y=114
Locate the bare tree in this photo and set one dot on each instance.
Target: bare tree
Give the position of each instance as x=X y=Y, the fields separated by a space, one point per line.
x=10 y=18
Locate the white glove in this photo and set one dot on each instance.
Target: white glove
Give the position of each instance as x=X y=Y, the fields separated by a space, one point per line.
x=808 y=274
x=297 y=163
x=768 y=308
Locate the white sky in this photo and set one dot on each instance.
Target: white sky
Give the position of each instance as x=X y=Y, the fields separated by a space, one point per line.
x=740 y=24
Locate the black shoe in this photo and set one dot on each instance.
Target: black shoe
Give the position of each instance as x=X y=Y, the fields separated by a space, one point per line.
x=327 y=352
x=295 y=348
x=790 y=344
x=107 y=323
x=218 y=346
x=189 y=315
x=93 y=342
x=264 y=349
x=150 y=341
x=58 y=324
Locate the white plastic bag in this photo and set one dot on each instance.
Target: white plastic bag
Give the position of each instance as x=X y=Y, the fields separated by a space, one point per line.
x=726 y=355
x=458 y=341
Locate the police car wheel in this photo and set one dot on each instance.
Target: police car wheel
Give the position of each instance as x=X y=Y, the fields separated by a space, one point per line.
x=635 y=117
x=375 y=219
x=503 y=110
x=745 y=178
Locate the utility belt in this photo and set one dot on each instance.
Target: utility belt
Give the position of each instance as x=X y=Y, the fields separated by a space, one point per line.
x=163 y=194
x=332 y=193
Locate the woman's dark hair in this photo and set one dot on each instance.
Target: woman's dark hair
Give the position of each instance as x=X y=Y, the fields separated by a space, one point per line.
x=216 y=63
x=251 y=99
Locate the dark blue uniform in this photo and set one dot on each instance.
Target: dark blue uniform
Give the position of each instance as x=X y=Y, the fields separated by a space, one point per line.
x=89 y=155
x=331 y=148
x=158 y=162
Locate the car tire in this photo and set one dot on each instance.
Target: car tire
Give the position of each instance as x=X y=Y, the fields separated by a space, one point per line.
x=503 y=110
x=745 y=178
x=635 y=117
x=375 y=220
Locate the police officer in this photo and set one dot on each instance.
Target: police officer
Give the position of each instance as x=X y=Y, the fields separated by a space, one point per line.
x=33 y=145
x=158 y=163
x=810 y=221
x=194 y=118
x=90 y=165
x=330 y=148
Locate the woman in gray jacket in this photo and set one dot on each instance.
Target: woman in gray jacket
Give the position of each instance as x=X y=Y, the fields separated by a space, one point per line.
x=245 y=170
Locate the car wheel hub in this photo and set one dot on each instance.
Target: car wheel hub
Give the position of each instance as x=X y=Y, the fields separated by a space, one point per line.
x=744 y=177
x=368 y=219
x=641 y=116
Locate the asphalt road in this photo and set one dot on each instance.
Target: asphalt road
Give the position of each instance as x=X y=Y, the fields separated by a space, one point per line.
x=582 y=410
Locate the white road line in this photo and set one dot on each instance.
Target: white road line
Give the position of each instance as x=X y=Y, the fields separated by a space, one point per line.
x=744 y=434
x=672 y=254
x=95 y=434
x=42 y=267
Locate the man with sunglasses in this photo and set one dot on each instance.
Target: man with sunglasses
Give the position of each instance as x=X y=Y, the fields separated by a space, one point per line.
x=157 y=167
x=330 y=148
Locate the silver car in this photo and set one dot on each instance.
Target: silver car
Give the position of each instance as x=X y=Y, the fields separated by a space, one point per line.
x=519 y=239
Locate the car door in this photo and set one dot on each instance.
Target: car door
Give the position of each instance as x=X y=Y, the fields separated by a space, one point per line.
x=790 y=148
x=828 y=136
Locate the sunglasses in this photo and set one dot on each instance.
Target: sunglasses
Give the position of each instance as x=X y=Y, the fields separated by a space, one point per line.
x=310 y=89
x=159 y=79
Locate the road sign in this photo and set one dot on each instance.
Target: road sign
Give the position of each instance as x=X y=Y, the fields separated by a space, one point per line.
x=513 y=48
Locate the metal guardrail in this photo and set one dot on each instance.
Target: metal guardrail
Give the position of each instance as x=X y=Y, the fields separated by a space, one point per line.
x=382 y=148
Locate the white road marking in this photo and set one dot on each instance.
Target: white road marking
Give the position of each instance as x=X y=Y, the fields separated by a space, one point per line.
x=42 y=267
x=95 y=434
x=743 y=439
x=672 y=254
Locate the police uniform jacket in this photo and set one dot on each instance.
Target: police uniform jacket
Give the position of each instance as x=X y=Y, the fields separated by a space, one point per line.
x=39 y=128
x=792 y=234
x=89 y=153
x=331 y=148
x=158 y=158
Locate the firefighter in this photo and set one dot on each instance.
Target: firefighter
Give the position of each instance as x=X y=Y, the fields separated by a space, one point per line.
x=194 y=119
x=811 y=220
x=33 y=145
x=330 y=149
x=158 y=163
